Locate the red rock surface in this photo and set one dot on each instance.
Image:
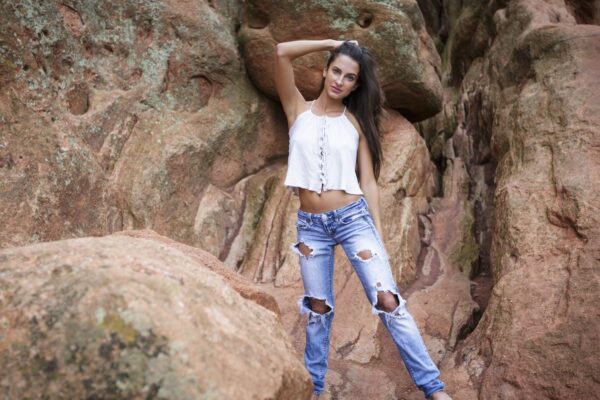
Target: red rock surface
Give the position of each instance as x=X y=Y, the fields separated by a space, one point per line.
x=244 y=287
x=530 y=105
x=143 y=117
x=121 y=116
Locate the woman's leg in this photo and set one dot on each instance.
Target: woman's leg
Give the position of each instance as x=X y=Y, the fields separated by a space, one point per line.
x=316 y=255
x=366 y=252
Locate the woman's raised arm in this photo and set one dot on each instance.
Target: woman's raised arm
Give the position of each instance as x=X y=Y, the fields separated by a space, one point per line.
x=289 y=95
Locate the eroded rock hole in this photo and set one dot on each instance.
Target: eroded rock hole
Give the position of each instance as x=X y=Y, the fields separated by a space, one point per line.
x=72 y=19
x=78 y=99
x=258 y=19
x=365 y=19
x=400 y=194
x=190 y=95
x=204 y=89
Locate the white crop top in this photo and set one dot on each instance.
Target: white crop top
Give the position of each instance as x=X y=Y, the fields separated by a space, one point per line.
x=322 y=153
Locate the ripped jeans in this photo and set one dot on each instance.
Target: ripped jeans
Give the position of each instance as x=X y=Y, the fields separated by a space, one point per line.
x=352 y=226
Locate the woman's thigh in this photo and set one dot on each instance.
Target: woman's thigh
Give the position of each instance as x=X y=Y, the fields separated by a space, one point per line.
x=315 y=249
x=365 y=250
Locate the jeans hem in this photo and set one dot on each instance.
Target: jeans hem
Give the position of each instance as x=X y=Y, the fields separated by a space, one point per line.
x=437 y=388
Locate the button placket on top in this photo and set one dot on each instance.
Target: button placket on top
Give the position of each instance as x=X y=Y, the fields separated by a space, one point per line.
x=323 y=152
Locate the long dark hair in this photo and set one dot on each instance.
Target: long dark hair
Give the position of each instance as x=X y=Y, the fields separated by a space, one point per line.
x=365 y=102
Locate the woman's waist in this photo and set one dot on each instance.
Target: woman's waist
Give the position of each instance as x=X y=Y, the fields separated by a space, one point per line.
x=329 y=200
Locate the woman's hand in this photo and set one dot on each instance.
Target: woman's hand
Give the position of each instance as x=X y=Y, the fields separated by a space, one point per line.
x=337 y=43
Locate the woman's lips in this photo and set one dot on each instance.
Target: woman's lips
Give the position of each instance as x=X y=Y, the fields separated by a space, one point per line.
x=336 y=90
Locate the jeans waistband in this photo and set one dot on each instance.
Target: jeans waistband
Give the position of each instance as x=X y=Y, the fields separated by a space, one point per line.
x=338 y=212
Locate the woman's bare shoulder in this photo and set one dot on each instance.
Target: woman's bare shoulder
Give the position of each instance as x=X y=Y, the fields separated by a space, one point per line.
x=354 y=122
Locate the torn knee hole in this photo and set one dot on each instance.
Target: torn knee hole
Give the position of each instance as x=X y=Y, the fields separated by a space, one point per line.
x=387 y=301
x=319 y=306
x=304 y=249
x=364 y=255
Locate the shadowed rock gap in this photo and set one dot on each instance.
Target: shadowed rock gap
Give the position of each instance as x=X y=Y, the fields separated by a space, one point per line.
x=463 y=132
x=584 y=11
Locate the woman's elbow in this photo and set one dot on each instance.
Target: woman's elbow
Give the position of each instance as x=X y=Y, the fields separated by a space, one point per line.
x=279 y=50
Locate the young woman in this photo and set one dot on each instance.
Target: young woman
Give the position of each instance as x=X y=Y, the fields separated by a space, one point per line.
x=327 y=137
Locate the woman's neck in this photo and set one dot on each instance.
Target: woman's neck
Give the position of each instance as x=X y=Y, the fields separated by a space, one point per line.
x=327 y=104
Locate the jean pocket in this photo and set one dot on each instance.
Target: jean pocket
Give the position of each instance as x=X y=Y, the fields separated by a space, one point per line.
x=349 y=218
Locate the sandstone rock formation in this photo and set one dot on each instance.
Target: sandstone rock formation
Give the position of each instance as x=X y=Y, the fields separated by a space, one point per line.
x=160 y=114
x=243 y=286
x=530 y=105
x=135 y=317
x=121 y=115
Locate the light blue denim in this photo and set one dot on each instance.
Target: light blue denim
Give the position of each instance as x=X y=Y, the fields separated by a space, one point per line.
x=352 y=226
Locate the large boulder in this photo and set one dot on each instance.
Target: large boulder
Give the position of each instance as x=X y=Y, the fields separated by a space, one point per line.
x=126 y=317
x=395 y=33
x=243 y=286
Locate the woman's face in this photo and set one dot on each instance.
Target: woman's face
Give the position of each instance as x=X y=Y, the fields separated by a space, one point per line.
x=341 y=77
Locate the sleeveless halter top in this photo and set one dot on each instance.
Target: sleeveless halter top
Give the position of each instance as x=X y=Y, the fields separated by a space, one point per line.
x=322 y=153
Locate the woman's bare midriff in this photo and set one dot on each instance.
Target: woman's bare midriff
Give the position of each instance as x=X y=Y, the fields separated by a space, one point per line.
x=313 y=202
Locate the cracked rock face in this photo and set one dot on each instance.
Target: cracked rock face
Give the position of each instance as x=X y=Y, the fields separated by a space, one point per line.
x=533 y=98
x=117 y=116
x=126 y=317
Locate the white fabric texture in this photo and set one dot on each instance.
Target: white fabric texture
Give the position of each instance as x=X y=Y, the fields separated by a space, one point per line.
x=322 y=153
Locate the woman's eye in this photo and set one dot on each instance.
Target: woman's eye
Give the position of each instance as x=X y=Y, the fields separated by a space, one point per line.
x=337 y=71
